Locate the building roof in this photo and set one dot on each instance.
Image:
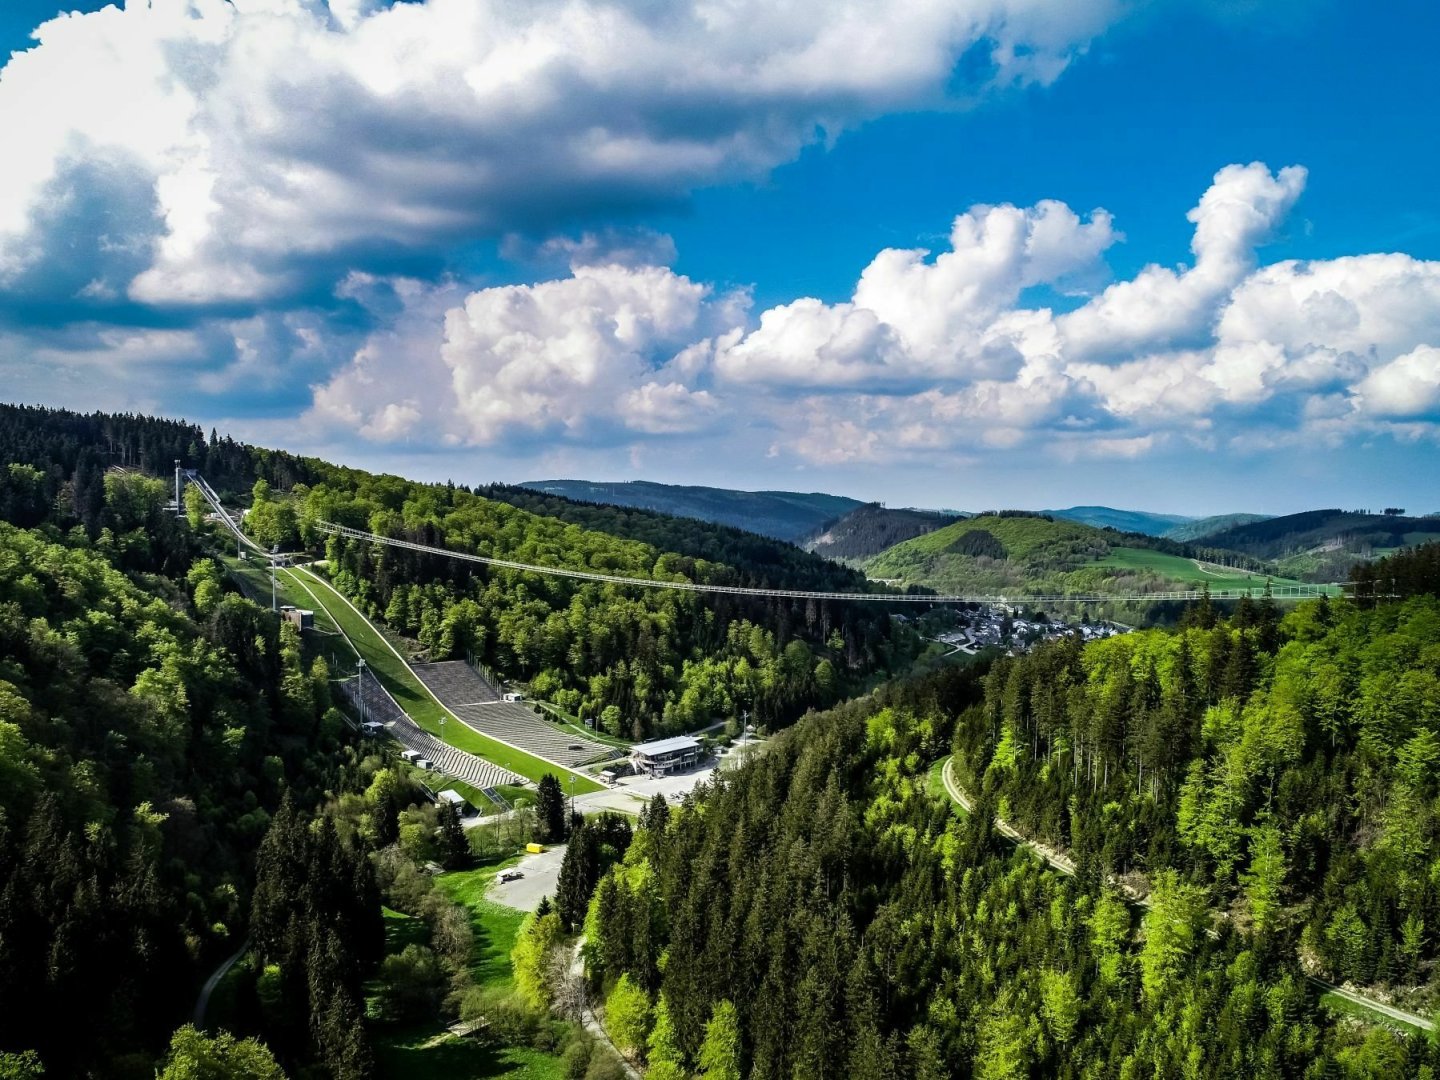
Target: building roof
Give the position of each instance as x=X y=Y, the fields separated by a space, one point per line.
x=665 y=746
x=450 y=795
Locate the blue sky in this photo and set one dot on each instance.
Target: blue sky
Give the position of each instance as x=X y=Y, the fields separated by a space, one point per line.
x=442 y=241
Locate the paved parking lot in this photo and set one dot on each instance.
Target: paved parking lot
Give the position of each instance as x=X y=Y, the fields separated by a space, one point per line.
x=628 y=796
x=541 y=873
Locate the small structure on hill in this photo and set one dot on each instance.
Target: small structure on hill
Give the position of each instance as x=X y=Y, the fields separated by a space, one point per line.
x=664 y=756
x=455 y=799
x=303 y=618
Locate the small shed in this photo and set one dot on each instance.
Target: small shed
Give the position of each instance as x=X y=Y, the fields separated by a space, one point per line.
x=455 y=799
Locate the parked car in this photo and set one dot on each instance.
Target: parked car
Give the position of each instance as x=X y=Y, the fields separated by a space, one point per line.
x=511 y=875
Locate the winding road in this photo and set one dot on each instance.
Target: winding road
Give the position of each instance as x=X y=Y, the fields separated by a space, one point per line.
x=203 y=1001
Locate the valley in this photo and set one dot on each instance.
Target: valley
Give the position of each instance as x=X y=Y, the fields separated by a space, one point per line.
x=1226 y=765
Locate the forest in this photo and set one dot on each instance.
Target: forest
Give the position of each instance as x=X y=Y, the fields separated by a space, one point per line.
x=1287 y=765
x=665 y=661
x=150 y=725
x=824 y=912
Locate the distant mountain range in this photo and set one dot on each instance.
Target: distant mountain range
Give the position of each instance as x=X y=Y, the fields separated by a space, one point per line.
x=870 y=529
x=783 y=515
x=936 y=548
x=1171 y=526
x=1135 y=521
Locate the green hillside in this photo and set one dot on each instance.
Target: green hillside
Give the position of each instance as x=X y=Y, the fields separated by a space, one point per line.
x=1006 y=554
x=783 y=515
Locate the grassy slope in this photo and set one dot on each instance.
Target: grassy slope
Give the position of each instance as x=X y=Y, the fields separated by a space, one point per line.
x=1185 y=571
x=416 y=700
x=1048 y=556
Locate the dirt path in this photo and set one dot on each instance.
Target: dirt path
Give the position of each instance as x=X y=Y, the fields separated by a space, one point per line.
x=587 y=1014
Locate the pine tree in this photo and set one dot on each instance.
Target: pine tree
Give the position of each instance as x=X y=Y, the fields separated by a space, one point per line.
x=454 y=847
x=550 y=808
x=720 y=1052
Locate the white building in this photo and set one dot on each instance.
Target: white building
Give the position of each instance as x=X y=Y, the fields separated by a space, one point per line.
x=664 y=756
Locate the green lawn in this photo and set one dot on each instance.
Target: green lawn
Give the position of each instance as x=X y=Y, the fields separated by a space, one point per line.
x=1185 y=571
x=418 y=1051
x=495 y=926
x=417 y=701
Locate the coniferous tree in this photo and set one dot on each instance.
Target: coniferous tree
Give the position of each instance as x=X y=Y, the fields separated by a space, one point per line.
x=550 y=808
x=454 y=847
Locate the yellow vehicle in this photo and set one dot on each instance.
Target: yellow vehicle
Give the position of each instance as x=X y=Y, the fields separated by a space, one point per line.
x=535 y=849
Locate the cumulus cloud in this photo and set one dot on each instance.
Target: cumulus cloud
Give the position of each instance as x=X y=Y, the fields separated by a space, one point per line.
x=938 y=358
x=913 y=319
x=1161 y=306
x=1406 y=388
x=265 y=145
x=603 y=353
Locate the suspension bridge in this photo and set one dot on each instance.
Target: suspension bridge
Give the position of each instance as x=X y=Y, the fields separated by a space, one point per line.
x=1281 y=593
x=1276 y=592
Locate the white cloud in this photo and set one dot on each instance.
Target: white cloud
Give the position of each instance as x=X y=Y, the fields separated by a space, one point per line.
x=938 y=358
x=284 y=139
x=913 y=320
x=1406 y=388
x=1160 y=306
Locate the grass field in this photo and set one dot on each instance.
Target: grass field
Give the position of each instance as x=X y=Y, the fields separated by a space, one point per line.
x=1186 y=571
x=415 y=699
x=421 y=1051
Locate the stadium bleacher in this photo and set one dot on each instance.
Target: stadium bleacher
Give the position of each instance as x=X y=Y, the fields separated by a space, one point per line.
x=376 y=704
x=478 y=702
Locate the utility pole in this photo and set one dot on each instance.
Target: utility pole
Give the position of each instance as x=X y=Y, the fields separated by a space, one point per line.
x=360 y=674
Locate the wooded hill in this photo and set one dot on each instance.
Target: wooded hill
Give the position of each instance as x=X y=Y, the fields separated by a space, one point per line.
x=782 y=515
x=1285 y=768
x=1135 y=521
x=869 y=530
x=1200 y=529
x=1323 y=544
x=824 y=912
x=150 y=724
